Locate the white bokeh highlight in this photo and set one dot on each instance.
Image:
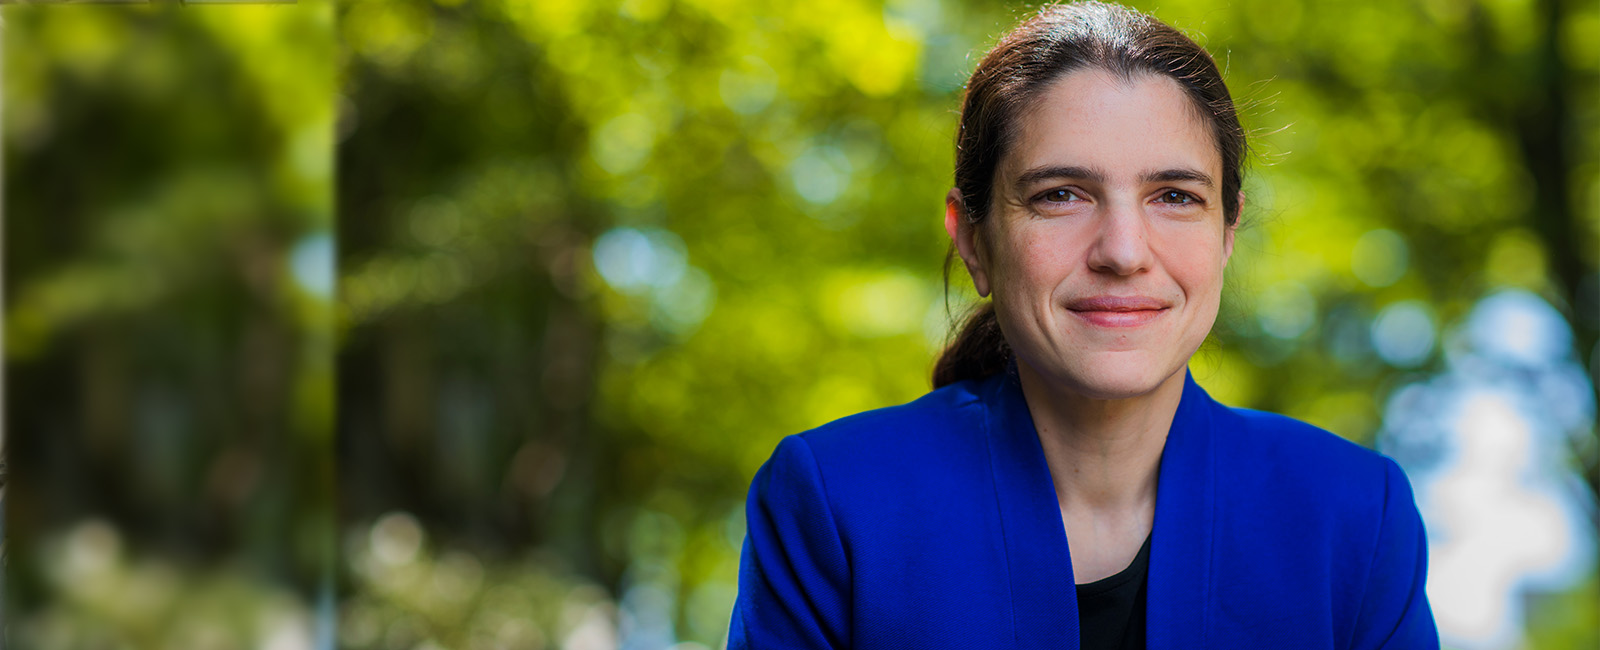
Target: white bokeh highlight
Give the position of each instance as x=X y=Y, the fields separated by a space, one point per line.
x=1486 y=445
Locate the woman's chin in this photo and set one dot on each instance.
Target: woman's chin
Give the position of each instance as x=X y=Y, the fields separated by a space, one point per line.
x=1119 y=378
x=1118 y=388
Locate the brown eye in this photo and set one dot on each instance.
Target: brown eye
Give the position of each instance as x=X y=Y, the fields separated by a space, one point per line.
x=1175 y=197
x=1058 y=196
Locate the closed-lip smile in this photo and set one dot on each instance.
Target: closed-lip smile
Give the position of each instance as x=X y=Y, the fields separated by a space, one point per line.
x=1118 y=311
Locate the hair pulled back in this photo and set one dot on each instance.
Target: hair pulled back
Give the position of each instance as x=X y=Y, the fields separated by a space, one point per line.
x=1060 y=39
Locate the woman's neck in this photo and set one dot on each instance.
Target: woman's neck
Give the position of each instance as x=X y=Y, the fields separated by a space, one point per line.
x=1103 y=454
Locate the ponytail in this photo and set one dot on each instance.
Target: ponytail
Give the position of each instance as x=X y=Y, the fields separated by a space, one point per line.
x=978 y=351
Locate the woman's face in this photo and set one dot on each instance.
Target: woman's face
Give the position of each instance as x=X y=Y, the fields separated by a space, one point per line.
x=1105 y=244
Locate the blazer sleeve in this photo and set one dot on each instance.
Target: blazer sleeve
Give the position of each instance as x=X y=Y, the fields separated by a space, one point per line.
x=794 y=576
x=1394 y=612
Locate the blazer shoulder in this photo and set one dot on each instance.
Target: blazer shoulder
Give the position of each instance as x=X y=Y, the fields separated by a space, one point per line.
x=927 y=420
x=1303 y=458
x=1286 y=439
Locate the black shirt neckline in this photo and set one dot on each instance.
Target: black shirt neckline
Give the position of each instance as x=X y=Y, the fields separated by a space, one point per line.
x=1111 y=611
x=1134 y=571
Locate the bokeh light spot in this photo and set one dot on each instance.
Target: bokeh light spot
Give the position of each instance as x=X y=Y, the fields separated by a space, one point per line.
x=1287 y=310
x=1403 y=333
x=1380 y=258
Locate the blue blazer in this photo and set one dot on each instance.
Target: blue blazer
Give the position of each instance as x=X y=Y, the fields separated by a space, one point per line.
x=935 y=524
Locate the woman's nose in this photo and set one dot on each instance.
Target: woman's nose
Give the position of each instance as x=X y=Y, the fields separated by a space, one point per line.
x=1122 y=242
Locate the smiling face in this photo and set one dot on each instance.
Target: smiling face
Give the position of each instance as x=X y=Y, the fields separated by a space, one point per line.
x=1105 y=243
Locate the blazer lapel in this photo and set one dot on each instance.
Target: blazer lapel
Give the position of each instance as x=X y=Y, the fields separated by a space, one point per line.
x=1043 y=599
x=1181 y=543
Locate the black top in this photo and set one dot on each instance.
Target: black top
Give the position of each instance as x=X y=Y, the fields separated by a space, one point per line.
x=1111 y=610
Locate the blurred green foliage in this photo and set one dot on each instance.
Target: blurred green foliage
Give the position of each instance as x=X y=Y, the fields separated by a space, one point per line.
x=596 y=258
x=169 y=371
x=100 y=596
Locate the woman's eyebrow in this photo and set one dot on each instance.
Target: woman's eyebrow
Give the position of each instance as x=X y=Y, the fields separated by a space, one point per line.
x=1074 y=172
x=1171 y=175
x=1052 y=172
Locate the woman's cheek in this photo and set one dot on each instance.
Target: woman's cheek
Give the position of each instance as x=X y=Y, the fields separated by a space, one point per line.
x=1045 y=252
x=1195 y=260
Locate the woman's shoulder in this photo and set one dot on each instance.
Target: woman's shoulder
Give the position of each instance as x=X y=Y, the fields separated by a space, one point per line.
x=1286 y=439
x=931 y=408
x=941 y=427
x=1292 y=459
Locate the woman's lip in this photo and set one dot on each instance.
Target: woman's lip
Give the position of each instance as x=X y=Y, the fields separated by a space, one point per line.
x=1116 y=303
x=1120 y=318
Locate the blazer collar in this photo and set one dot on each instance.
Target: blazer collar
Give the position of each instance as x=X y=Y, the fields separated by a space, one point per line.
x=1044 y=599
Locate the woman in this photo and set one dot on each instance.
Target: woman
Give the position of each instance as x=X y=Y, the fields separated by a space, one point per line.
x=1067 y=484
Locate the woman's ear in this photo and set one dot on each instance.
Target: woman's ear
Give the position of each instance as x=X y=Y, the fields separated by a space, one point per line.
x=1228 y=231
x=964 y=234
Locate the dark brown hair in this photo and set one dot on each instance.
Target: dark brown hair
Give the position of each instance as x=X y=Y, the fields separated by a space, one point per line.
x=1058 y=40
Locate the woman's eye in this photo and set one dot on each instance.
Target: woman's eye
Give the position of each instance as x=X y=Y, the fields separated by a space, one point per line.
x=1175 y=197
x=1058 y=196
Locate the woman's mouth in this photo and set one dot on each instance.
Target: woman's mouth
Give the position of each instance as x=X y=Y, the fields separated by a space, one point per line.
x=1118 y=311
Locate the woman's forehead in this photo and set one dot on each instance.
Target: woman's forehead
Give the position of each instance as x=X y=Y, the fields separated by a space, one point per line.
x=1123 y=128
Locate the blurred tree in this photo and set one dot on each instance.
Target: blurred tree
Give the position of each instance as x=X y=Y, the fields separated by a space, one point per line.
x=168 y=369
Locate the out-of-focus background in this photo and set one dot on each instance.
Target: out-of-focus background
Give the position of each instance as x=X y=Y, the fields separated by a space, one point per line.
x=168 y=262
x=525 y=291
